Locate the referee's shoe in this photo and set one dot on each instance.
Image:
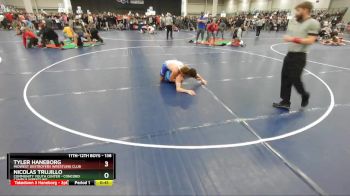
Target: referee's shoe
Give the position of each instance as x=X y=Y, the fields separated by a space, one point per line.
x=282 y=105
x=286 y=105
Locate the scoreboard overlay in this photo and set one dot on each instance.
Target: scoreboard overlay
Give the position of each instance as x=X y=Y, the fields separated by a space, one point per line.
x=61 y=169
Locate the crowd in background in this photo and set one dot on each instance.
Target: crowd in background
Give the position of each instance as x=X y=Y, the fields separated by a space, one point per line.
x=272 y=20
x=254 y=21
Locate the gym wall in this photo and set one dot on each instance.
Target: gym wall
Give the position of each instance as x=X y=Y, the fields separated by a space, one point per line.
x=37 y=4
x=342 y=4
x=198 y=6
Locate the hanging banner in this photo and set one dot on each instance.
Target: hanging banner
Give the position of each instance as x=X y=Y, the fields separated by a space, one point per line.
x=138 y=2
x=123 y=1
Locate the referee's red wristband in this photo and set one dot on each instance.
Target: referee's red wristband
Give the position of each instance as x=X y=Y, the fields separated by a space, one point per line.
x=297 y=40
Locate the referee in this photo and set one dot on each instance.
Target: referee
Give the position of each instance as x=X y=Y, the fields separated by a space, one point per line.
x=302 y=32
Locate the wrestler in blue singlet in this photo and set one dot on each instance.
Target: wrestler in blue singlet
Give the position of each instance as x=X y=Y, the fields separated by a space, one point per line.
x=165 y=72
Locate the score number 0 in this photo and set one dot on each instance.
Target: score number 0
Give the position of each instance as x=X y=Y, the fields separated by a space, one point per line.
x=106 y=175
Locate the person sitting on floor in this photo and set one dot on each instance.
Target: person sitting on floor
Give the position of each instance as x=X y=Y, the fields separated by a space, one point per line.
x=148 y=28
x=29 y=38
x=237 y=37
x=94 y=33
x=81 y=32
x=68 y=33
x=120 y=26
x=143 y=29
x=175 y=71
x=151 y=29
x=334 y=40
x=47 y=35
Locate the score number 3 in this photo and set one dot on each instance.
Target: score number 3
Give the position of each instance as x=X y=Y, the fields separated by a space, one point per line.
x=106 y=175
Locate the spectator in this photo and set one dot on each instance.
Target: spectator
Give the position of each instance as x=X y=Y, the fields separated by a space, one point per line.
x=169 y=26
x=29 y=38
x=222 y=28
x=201 y=21
x=259 y=26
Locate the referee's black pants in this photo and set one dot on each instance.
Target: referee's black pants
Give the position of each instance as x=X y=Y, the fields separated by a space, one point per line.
x=258 y=29
x=169 y=29
x=293 y=66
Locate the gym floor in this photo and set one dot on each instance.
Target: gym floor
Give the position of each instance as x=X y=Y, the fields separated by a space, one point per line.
x=226 y=140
